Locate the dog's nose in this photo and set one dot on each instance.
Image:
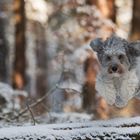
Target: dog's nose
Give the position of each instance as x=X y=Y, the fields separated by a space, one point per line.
x=114 y=68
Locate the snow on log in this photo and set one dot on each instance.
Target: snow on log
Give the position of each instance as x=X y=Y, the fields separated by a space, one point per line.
x=122 y=128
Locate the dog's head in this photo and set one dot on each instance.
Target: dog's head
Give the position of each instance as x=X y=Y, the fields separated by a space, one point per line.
x=116 y=55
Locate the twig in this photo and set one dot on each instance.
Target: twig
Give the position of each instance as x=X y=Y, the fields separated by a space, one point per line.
x=5 y=118
x=34 y=121
x=35 y=103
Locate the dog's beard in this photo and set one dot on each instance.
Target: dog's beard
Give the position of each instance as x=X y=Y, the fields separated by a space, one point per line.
x=115 y=75
x=120 y=92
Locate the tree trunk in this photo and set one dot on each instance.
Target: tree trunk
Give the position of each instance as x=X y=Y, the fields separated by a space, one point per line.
x=19 y=79
x=41 y=60
x=3 y=41
x=106 y=7
x=135 y=30
x=89 y=92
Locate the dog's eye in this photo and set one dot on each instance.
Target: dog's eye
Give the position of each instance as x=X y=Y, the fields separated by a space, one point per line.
x=108 y=58
x=121 y=56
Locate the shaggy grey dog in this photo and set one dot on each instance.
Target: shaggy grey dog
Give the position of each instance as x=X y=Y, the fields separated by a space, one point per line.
x=119 y=78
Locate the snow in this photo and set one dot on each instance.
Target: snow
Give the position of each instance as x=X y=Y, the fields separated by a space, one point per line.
x=106 y=123
x=66 y=117
x=37 y=10
x=71 y=130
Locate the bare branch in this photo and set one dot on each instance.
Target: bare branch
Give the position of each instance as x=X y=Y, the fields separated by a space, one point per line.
x=32 y=115
x=35 y=103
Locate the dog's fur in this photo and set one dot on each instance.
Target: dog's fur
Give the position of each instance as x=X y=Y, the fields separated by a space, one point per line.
x=119 y=78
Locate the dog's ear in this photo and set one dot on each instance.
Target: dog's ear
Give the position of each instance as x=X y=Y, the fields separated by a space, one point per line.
x=97 y=44
x=134 y=49
x=133 y=52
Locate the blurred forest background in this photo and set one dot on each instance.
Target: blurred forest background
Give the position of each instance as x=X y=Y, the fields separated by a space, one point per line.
x=45 y=44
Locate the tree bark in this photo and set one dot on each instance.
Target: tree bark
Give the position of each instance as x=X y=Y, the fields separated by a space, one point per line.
x=41 y=60
x=3 y=41
x=19 y=79
x=135 y=30
x=89 y=92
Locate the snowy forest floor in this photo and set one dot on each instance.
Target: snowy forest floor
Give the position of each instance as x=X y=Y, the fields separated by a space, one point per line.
x=78 y=127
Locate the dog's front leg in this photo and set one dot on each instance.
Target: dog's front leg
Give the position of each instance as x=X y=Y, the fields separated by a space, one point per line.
x=120 y=101
x=137 y=94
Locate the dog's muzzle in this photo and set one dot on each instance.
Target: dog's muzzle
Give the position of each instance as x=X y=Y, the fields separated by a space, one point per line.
x=115 y=69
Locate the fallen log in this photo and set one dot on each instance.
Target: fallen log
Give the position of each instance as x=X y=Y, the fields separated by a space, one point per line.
x=122 y=128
